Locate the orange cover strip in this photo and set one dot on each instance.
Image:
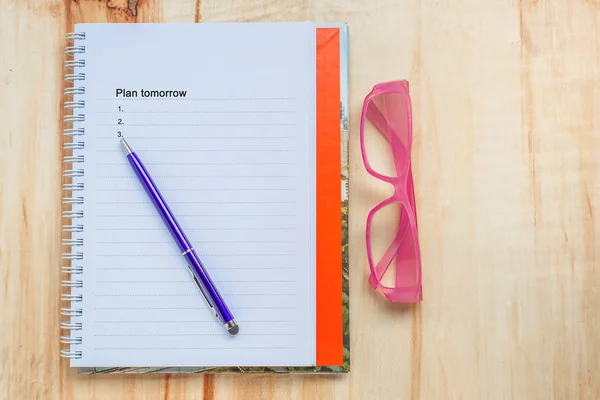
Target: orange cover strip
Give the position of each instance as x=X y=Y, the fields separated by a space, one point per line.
x=328 y=203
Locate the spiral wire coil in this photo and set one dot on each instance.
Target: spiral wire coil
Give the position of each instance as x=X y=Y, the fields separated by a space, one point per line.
x=73 y=173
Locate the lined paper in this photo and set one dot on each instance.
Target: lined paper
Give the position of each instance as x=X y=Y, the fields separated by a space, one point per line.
x=234 y=159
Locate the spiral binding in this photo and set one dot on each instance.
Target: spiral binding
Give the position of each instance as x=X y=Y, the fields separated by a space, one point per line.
x=73 y=174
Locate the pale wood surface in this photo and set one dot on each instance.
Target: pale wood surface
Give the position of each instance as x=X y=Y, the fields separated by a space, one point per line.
x=507 y=134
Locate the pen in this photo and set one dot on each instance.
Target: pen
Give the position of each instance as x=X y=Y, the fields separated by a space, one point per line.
x=199 y=273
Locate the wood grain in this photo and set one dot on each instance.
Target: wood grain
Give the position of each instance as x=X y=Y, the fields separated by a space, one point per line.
x=506 y=99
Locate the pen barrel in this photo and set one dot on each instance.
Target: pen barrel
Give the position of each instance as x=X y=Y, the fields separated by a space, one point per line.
x=160 y=204
x=182 y=241
x=208 y=286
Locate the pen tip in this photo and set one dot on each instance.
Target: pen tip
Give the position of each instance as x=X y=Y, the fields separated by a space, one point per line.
x=126 y=147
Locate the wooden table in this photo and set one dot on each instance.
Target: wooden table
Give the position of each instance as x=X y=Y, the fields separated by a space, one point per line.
x=506 y=98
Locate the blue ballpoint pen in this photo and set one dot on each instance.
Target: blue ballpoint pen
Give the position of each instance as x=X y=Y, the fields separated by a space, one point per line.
x=199 y=273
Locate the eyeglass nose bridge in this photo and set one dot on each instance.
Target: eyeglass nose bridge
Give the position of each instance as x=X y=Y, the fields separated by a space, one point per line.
x=399 y=184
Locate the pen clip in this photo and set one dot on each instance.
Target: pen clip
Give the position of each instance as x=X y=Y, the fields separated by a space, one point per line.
x=210 y=304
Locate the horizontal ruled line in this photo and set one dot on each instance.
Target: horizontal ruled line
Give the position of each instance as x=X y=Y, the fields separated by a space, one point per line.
x=184 y=334
x=186 y=321
x=197 y=189
x=195 y=308
x=188 y=281
x=203 y=137
x=180 y=125
x=178 y=269
x=195 y=98
x=199 y=229
x=192 y=215
x=198 y=202
x=193 y=295
x=191 y=348
x=200 y=112
x=201 y=163
x=202 y=255
x=132 y=178
x=198 y=150
x=199 y=241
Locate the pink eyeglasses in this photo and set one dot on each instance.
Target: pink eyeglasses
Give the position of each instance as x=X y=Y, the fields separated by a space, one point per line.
x=388 y=109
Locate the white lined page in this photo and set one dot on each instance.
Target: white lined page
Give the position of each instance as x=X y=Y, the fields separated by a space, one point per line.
x=234 y=160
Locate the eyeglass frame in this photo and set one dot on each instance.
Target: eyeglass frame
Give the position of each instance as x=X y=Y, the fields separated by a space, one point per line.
x=403 y=193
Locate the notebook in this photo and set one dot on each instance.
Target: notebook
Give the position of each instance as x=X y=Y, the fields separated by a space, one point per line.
x=244 y=128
